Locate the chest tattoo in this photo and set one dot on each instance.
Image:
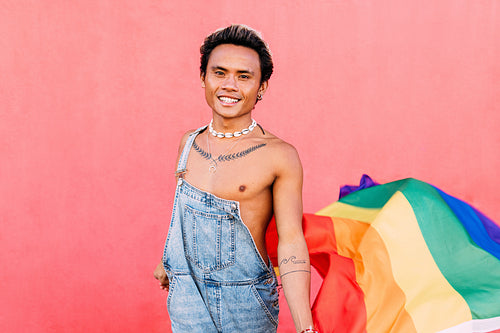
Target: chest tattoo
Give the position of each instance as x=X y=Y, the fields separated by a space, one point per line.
x=226 y=157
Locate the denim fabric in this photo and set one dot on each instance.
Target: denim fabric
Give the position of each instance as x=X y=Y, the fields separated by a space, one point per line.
x=218 y=279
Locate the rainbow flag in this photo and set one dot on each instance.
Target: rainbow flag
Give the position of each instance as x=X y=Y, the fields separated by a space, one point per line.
x=404 y=257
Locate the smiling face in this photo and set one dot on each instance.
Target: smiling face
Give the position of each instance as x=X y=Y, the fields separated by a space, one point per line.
x=232 y=81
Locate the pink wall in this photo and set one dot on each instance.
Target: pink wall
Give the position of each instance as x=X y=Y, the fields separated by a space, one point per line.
x=94 y=96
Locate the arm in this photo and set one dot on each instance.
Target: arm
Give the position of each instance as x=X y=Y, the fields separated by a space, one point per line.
x=159 y=272
x=293 y=257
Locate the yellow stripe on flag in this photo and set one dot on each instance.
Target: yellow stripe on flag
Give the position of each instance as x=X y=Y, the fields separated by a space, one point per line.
x=384 y=300
x=339 y=209
x=431 y=301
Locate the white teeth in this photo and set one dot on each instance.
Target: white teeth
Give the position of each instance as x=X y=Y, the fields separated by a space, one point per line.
x=228 y=99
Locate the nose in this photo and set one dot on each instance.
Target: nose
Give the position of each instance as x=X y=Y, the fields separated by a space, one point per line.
x=230 y=83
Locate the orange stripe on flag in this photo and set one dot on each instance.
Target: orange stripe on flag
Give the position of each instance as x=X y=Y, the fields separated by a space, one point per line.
x=339 y=304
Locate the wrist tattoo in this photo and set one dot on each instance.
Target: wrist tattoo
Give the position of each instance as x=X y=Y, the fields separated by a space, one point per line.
x=293 y=260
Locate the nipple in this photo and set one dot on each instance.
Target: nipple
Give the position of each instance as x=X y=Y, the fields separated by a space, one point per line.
x=242 y=188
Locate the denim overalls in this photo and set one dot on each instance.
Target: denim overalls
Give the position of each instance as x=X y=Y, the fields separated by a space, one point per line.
x=218 y=279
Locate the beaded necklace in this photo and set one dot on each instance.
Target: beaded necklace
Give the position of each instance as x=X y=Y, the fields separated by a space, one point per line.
x=230 y=135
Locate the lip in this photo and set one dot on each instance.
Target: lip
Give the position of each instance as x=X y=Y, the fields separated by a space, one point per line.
x=228 y=100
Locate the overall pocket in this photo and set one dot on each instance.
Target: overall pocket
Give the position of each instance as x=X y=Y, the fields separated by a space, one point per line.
x=266 y=294
x=171 y=287
x=209 y=239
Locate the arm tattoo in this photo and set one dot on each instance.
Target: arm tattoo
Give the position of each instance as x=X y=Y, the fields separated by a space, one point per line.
x=293 y=260
x=228 y=157
x=298 y=270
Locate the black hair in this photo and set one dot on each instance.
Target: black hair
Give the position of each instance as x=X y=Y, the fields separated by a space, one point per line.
x=241 y=35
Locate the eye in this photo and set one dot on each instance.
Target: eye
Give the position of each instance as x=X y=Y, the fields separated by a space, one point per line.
x=244 y=76
x=219 y=73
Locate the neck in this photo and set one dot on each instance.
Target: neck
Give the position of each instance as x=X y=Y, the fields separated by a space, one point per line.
x=231 y=125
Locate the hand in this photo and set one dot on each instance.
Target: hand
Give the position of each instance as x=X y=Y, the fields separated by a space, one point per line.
x=161 y=276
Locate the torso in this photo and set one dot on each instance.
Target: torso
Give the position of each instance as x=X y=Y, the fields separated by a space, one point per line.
x=246 y=177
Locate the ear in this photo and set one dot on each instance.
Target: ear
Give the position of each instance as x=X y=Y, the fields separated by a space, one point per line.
x=202 y=79
x=263 y=87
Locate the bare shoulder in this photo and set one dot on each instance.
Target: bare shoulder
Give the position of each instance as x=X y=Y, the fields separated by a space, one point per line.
x=284 y=155
x=183 y=143
x=184 y=138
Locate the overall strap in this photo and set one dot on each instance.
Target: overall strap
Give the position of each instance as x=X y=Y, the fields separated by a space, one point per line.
x=181 y=166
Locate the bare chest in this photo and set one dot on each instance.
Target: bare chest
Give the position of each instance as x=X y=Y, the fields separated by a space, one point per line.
x=240 y=176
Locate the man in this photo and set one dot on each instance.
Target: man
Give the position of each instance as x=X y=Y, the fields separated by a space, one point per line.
x=232 y=177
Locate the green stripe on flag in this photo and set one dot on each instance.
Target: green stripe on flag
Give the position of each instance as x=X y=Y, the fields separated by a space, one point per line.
x=473 y=272
x=373 y=197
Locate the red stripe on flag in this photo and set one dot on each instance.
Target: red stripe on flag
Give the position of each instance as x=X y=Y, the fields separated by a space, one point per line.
x=339 y=305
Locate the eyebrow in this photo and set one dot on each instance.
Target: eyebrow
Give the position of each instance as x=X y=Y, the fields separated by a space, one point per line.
x=226 y=70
